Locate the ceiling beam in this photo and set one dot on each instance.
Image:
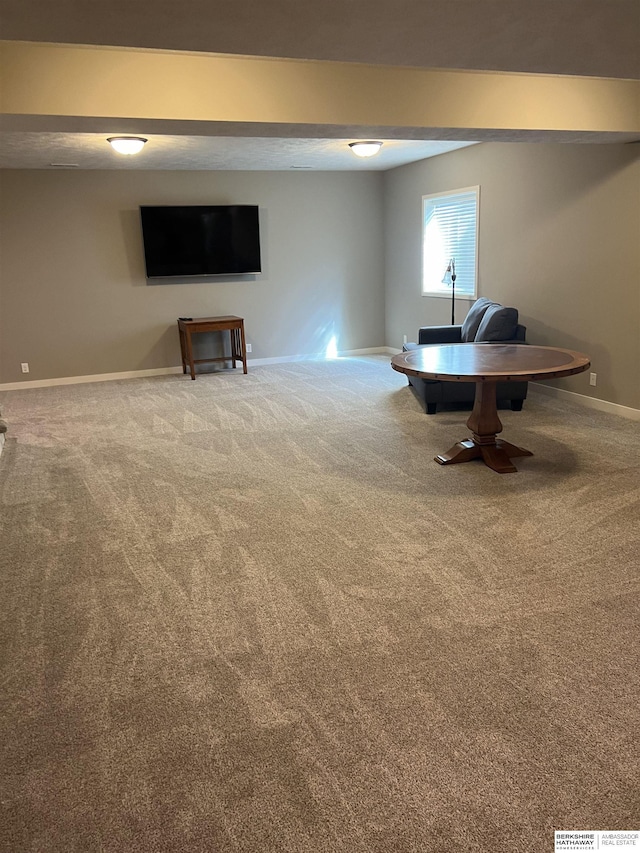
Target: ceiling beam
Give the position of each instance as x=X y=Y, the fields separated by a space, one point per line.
x=79 y=81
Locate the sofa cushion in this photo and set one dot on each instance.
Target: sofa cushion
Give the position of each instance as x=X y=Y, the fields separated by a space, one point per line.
x=498 y=323
x=474 y=318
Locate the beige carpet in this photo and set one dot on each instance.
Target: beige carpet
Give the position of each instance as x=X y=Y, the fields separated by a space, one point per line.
x=250 y=613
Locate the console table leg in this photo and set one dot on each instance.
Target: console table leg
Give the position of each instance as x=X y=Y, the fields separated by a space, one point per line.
x=182 y=351
x=234 y=346
x=243 y=348
x=192 y=366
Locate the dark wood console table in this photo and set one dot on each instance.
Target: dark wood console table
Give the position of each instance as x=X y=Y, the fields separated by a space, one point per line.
x=486 y=365
x=235 y=327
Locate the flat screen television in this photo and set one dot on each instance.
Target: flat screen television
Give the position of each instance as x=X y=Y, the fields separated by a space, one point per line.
x=191 y=240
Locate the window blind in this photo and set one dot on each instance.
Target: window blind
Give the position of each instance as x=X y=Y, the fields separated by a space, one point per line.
x=450 y=226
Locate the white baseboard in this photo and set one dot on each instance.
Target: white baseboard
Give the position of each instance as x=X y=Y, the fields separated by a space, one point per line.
x=164 y=371
x=580 y=399
x=587 y=402
x=319 y=356
x=94 y=377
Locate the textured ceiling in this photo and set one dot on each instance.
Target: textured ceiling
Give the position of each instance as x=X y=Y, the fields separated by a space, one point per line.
x=571 y=37
x=91 y=151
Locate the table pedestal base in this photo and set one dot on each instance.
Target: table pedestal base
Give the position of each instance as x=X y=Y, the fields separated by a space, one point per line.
x=484 y=424
x=496 y=454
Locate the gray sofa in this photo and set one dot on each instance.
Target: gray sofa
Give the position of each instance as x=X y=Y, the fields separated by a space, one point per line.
x=486 y=322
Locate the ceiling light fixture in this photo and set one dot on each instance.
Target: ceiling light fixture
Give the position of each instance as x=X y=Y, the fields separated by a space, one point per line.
x=365 y=149
x=127 y=144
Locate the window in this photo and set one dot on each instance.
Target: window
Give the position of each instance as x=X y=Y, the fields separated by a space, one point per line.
x=450 y=230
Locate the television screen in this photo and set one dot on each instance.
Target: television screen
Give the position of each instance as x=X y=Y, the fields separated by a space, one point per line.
x=200 y=239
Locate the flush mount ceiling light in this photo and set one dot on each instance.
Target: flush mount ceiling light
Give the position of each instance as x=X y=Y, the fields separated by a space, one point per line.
x=365 y=149
x=127 y=144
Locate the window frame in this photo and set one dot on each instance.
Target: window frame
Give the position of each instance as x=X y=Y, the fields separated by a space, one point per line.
x=445 y=291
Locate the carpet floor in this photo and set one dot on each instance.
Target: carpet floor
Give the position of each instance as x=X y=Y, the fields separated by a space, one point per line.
x=250 y=614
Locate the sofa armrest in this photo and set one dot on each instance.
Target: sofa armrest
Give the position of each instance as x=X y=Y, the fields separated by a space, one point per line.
x=440 y=335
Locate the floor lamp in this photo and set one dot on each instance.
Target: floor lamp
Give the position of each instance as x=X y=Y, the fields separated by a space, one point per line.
x=450 y=279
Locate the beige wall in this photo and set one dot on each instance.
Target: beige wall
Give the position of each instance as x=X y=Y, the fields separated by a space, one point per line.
x=559 y=227
x=73 y=295
x=559 y=240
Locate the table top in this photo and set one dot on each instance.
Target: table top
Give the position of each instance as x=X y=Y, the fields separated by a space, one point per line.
x=199 y=321
x=489 y=362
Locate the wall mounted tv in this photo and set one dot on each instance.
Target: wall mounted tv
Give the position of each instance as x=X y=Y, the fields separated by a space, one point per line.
x=200 y=239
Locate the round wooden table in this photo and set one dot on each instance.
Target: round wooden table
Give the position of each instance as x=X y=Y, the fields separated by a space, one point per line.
x=486 y=365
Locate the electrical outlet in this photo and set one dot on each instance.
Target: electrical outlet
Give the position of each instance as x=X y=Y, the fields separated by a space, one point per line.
x=404 y=339
x=592 y=378
x=249 y=347
x=25 y=366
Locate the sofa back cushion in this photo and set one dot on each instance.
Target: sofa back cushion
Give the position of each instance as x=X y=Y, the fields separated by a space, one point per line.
x=497 y=324
x=473 y=319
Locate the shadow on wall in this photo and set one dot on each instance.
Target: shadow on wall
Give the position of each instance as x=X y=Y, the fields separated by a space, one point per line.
x=131 y=231
x=163 y=347
x=539 y=334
